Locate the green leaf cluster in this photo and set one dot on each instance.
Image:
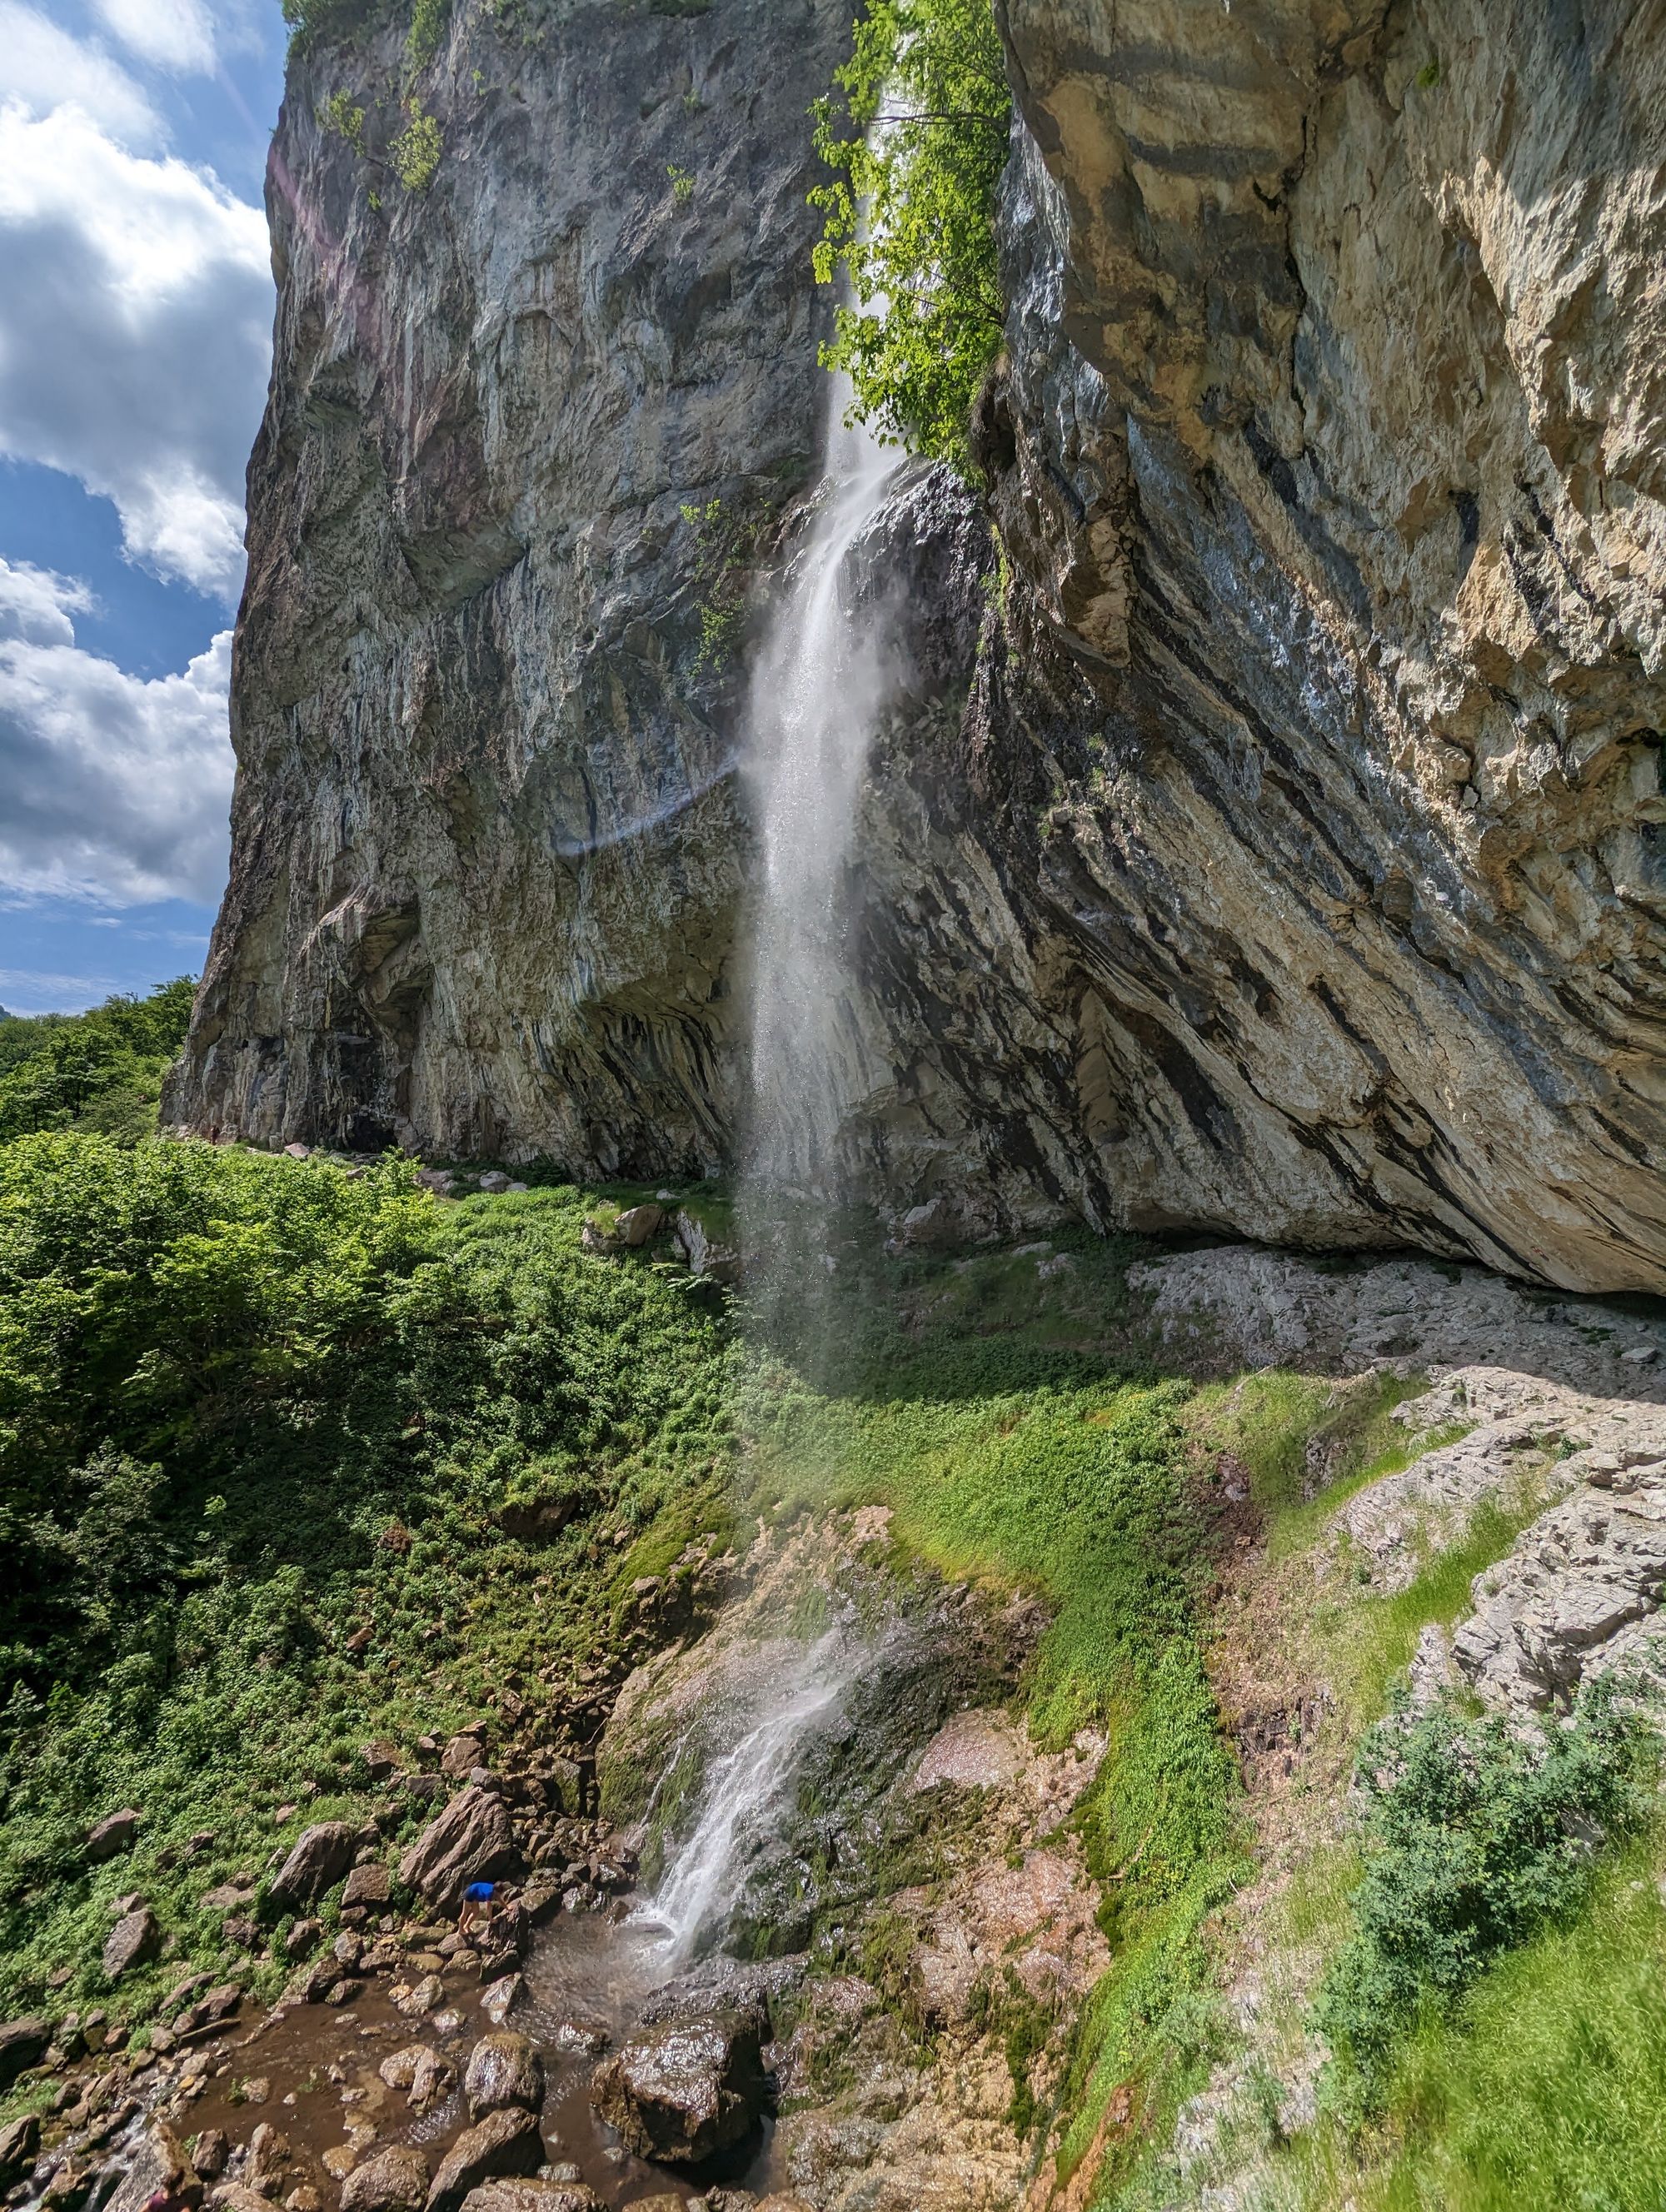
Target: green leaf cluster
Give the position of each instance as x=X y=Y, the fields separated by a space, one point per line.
x=414 y=151
x=101 y=1070
x=1476 y=1837
x=917 y=137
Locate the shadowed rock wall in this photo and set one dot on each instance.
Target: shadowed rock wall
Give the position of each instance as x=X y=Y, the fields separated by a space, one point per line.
x=1282 y=856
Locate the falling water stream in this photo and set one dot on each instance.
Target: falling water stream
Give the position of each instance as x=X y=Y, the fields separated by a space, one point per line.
x=816 y=697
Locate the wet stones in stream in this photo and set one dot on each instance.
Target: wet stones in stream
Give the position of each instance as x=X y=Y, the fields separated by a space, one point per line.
x=688 y=2087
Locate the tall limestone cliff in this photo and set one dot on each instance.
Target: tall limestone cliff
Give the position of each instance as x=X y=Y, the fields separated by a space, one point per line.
x=1274 y=848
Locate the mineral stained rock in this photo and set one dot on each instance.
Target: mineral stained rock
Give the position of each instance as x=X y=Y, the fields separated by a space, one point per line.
x=1283 y=856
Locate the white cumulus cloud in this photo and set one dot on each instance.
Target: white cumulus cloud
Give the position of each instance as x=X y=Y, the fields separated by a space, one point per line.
x=42 y=67
x=117 y=787
x=135 y=336
x=173 y=35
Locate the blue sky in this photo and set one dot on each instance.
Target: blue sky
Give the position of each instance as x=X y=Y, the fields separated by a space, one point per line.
x=135 y=343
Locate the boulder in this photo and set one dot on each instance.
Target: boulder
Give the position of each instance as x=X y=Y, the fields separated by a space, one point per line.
x=23 y=2044
x=302 y=1939
x=19 y=2142
x=503 y=2145
x=320 y=1857
x=368 y=1886
x=160 y=2162
x=462 y=1754
x=504 y=2071
x=112 y=1836
x=639 y=1225
x=134 y=1940
x=704 y=1254
x=210 y=2152
x=212 y=2009
x=395 y=2180
x=536 y=2197
x=471 y=1841
x=684 y=2090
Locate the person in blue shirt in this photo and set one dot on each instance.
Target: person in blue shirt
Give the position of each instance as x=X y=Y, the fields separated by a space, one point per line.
x=477 y=1906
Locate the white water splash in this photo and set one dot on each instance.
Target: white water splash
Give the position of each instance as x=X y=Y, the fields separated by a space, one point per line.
x=817 y=696
x=744 y=1791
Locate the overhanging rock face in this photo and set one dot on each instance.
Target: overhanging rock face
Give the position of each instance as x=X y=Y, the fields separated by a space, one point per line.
x=1282 y=858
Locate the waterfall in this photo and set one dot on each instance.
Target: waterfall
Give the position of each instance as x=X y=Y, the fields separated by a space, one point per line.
x=744 y=1790
x=817 y=692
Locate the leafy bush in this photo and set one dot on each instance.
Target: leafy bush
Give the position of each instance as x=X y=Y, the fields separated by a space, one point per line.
x=260 y=1423
x=1475 y=1838
x=101 y=1070
x=917 y=137
x=414 y=151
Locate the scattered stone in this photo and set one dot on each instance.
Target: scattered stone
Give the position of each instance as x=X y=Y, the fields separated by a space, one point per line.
x=382 y=1759
x=367 y=1885
x=576 y=2039
x=504 y=2069
x=23 y=2044
x=19 y=2142
x=425 y=1995
x=497 y=2001
x=704 y=1254
x=502 y=2146
x=345 y=1992
x=1639 y=1355
x=131 y=1942
x=210 y=2152
x=394 y=2180
x=550 y=2193
x=306 y=2198
x=160 y=2162
x=472 y=1840
x=321 y=1855
x=462 y=1754
x=302 y=1939
x=339 y=2161
x=297 y=1151
x=211 y=2010
x=639 y=1225
x=493 y=1182
x=683 y=2091
x=112 y=1836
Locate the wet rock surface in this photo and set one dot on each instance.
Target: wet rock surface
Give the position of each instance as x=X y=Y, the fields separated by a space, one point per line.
x=684 y=2090
x=502 y=2144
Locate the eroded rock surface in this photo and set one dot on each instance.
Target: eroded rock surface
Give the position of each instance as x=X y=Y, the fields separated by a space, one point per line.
x=1285 y=859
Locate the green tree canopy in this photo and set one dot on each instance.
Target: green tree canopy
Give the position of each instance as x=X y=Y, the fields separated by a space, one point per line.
x=916 y=134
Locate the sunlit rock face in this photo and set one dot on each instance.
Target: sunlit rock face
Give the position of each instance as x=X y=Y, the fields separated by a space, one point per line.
x=1323 y=773
x=486 y=838
x=1274 y=848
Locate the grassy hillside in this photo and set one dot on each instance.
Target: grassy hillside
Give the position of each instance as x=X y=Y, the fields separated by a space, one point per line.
x=295 y=1457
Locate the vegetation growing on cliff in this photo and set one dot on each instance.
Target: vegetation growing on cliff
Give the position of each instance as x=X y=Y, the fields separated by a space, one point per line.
x=916 y=136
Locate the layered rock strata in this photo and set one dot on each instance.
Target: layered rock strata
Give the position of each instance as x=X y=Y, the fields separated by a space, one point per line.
x=1281 y=856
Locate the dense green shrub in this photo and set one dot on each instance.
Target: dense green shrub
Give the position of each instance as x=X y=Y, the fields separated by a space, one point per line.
x=260 y=1420
x=1476 y=1837
x=917 y=137
x=101 y=1070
